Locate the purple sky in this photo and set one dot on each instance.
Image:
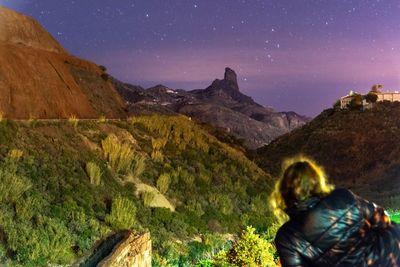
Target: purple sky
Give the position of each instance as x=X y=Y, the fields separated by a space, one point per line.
x=296 y=55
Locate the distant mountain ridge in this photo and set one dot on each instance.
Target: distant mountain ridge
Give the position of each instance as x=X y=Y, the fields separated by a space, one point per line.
x=221 y=105
x=39 y=79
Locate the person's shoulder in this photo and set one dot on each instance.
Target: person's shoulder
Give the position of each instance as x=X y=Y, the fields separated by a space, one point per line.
x=343 y=194
x=284 y=233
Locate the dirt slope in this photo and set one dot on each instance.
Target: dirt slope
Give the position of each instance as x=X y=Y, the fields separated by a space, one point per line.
x=359 y=150
x=39 y=79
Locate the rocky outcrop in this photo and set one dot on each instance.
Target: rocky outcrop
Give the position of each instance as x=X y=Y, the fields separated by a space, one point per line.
x=220 y=105
x=134 y=251
x=121 y=249
x=39 y=79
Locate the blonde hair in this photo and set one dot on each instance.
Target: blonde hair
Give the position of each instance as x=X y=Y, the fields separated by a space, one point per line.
x=301 y=179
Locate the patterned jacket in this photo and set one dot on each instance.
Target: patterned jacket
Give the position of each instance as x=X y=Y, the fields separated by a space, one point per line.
x=340 y=229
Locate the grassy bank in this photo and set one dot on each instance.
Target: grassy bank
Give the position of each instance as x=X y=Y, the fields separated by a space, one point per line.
x=67 y=184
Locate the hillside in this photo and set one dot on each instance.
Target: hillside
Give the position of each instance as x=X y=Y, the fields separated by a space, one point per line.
x=67 y=184
x=359 y=150
x=39 y=79
x=221 y=105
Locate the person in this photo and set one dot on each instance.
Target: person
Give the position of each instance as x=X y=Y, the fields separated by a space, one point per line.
x=329 y=227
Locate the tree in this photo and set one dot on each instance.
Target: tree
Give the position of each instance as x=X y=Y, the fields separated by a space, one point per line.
x=371 y=97
x=357 y=102
x=377 y=88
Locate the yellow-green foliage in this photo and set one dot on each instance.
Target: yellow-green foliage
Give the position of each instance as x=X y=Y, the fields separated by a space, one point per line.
x=25 y=208
x=94 y=173
x=221 y=202
x=183 y=132
x=250 y=250
x=48 y=241
x=163 y=183
x=120 y=156
x=1 y=116
x=15 y=154
x=157 y=155
x=102 y=119
x=148 y=197
x=140 y=166
x=73 y=120
x=179 y=130
x=12 y=185
x=158 y=144
x=123 y=212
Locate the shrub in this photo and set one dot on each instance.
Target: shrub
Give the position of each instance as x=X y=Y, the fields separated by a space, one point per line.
x=371 y=97
x=12 y=185
x=250 y=250
x=163 y=183
x=15 y=154
x=357 y=102
x=119 y=156
x=47 y=242
x=73 y=120
x=102 y=119
x=148 y=197
x=94 y=173
x=123 y=212
x=105 y=77
x=140 y=166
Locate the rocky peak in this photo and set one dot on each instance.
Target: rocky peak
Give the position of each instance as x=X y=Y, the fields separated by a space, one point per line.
x=230 y=75
x=18 y=29
x=230 y=79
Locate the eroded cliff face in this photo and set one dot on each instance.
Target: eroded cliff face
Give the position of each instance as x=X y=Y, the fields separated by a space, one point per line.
x=39 y=79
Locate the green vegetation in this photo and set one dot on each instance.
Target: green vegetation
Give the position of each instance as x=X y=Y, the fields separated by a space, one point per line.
x=94 y=173
x=394 y=215
x=63 y=188
x=250 y=250
x=119 y=156
x=73 y=120
x=122 y=214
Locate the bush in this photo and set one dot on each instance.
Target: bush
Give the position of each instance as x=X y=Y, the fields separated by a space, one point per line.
x=163 y=183
x=250 y=250
x=119 y=156
x=94 y=173
x=102 y=119
x=47 y=242
x=73 y=120
x=105 y=77
x=371 y=97
x=12 y=185
x=148 y=197
x=357 y=102
x=123 y=212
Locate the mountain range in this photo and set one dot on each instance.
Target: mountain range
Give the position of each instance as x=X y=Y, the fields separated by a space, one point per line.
x=40 y=79
x=221 y=105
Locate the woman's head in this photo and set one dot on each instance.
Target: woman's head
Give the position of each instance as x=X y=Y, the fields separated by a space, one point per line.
x=301 y=179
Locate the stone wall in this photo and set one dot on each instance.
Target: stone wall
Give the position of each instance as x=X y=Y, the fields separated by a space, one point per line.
x=133 y=251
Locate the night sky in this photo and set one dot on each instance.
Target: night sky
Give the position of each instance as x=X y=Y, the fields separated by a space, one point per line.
x=296 y=55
